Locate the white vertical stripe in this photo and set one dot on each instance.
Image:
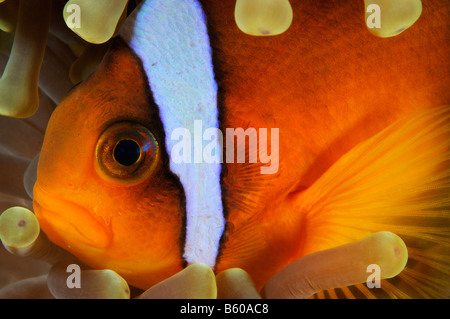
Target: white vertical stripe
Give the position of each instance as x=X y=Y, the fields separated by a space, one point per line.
x=171 y=38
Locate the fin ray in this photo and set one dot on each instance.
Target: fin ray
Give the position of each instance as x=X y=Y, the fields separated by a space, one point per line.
x=398 y=181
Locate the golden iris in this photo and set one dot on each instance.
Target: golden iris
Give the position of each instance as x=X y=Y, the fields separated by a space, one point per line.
x=126 y=153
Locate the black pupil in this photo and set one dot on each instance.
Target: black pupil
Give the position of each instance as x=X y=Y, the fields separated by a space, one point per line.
x=127 y=152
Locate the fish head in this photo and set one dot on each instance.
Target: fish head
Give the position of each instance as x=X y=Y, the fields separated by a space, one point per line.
x=103 y=186
x=110 y=187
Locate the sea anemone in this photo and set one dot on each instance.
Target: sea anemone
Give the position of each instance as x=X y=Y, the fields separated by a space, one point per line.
x=42 y=57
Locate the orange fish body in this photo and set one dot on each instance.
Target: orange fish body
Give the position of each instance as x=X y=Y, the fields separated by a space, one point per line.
x=326 y=83
x=107 y=234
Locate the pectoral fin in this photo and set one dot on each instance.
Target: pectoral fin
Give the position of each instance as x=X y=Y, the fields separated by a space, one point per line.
x=397 y=181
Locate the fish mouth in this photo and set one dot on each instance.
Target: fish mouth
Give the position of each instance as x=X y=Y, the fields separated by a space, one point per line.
x=67 y=223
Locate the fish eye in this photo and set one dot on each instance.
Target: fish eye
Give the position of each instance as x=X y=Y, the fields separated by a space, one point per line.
x=127 y=153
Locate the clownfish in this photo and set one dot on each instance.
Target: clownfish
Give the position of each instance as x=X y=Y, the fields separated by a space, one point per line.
x=361 y=144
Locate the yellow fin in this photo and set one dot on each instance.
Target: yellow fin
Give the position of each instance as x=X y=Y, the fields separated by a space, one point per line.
x=397 y=181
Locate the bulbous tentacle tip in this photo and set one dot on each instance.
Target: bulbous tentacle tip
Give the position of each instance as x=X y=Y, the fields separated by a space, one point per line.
x=89 y=283
x=21 y=235
x=19 y=228
x=236 y=283
x=263 y=17
x=9 y=12
x=389 y=253
x=381 y=255
x=95 y=21
x=196 y=281
x=386 y=18
x=29 y=288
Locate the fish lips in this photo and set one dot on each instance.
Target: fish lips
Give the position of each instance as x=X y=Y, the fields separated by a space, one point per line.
x=67 y=223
